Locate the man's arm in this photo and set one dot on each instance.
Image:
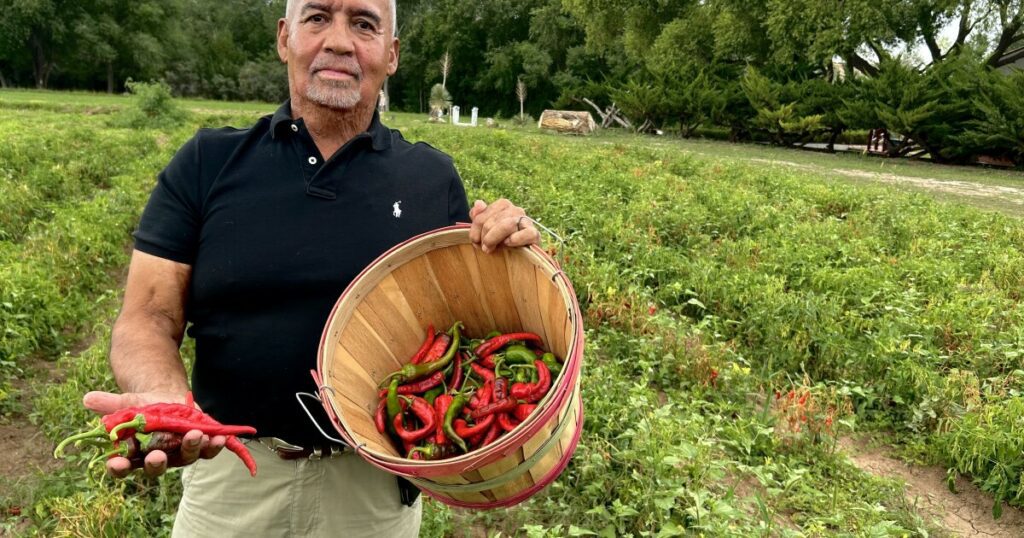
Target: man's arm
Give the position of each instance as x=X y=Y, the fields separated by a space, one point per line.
x=144 y=344
x=145 y=359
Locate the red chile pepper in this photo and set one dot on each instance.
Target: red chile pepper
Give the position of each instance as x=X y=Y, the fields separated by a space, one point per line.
x=506 y=422
x=500 y=406
x=154 y=418
x=523 y=411
x=441 y=405
x=453 y=411
x=482 y=371
x=498 y=342
x=465 y=431
x=422 y=351
x=379 y=417
x=487 y=361
x=456 y=383
x=500 y=389
x=437 y=350
x=482 y=396
x=419 y=387
x=424 y=413
x=411 y=372
x=236 y=446
x=492 y=434
x=532 y=392
x=428 y=452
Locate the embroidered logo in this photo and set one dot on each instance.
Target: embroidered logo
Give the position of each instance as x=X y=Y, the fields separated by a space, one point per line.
x=397 y=212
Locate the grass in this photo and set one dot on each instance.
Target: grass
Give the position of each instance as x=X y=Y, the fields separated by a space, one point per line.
x=740 y=318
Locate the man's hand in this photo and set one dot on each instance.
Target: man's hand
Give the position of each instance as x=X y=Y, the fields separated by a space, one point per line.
x=501 y=223
x=194 y=444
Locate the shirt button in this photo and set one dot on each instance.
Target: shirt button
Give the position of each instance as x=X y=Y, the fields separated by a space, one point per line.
x=312 y=160
x=295 y=128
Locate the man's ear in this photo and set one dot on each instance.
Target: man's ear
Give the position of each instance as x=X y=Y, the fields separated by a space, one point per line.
x=282 y=40
x=393 y=57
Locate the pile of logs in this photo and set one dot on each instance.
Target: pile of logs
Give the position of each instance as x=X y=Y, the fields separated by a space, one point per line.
x=567 y=121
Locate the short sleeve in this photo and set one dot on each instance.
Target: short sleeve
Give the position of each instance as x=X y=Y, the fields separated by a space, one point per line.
x=170 y=224
x=458 y=205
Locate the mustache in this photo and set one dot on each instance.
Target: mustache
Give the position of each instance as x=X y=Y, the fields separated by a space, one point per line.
x=337 y=63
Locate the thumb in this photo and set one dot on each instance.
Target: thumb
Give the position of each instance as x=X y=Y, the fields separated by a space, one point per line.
x=107 y=402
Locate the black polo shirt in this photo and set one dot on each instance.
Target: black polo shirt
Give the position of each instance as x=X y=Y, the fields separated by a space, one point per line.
x=274 y=233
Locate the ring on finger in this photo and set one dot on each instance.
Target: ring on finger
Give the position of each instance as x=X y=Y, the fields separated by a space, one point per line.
x=519 y=223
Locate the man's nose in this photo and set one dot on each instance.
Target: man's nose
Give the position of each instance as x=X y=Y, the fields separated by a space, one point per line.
x=339 y=39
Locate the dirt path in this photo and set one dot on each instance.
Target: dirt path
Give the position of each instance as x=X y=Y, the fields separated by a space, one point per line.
x=967 y=513
x=996 y=193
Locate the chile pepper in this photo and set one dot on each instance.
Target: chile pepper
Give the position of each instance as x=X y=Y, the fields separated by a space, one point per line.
x=427 y=343
x=456 y=383
x=498 y=342
x=424 y=413
x=492 y=434
x=487 y=361
x=441 y=405
x=411 y=372
x=429 y=451
x=437 y=350
x=418 y=387
x=552 y=363
x=481 y=396
x=379 y=419
x=236 y=446
x=500 y=389
x=453 y=411
x=522 y=411
x=432 y=394
x=506 y=422
x=535 y=391
x=394 y=408
x=519 y=354
x=465 y=431
x=499 y=406
x=482 y=371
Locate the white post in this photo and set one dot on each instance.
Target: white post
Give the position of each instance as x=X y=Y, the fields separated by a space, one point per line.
x=472 y=121
x=455 y=115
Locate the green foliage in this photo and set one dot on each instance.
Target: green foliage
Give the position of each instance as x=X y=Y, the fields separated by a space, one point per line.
x=153 y=106
x=777 y=109
x=999 y=128
x=440 y=101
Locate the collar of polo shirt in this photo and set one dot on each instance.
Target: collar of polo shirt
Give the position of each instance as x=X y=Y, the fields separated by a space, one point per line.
x=281 y=127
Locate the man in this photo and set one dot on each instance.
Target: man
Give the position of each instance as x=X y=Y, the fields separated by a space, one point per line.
x=251 y=235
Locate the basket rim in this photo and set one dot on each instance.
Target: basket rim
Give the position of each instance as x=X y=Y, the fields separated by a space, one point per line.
x=492 y=452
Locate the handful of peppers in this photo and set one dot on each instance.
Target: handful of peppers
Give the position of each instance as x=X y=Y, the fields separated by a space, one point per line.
x=134 y=432
x=459 y=394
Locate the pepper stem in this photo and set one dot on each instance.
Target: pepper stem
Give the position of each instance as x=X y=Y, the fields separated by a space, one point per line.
x=137 y=423
x=99 y=431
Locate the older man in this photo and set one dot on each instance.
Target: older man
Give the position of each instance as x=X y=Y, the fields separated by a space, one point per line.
x=250 y=236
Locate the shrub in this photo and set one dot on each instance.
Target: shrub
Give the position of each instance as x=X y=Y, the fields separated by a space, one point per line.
x=153 y=106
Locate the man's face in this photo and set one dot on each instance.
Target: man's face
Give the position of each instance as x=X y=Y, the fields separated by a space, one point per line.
x=338 y=51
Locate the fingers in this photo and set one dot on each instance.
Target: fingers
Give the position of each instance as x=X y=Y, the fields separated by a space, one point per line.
x=213 y=447
x=191 y=446
x=501 y=223
x=105 y=402
x=119 y=467
x=155 y=463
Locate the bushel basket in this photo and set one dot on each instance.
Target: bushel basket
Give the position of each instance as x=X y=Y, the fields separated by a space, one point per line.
x=436 y=279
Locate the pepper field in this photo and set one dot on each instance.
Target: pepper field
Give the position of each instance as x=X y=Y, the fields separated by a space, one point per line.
x=744 y=323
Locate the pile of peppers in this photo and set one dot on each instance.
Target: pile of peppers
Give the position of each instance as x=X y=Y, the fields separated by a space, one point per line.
x=134 y=432
x=458 y=394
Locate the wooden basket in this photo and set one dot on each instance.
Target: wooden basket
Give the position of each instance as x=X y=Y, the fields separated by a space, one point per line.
x=435 y=279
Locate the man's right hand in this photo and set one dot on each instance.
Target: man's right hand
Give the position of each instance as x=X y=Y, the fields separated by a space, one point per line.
x=194 y=444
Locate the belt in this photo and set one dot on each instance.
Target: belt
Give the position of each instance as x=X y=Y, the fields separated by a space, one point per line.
x=288 y=451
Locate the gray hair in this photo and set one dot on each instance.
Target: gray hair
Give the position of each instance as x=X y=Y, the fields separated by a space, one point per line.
x=289 y=10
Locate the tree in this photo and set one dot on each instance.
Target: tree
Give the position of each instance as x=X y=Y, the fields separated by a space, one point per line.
x=521 y=95
x=440 y=101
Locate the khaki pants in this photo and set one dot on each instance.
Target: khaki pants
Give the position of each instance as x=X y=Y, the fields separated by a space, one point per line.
x=340 y=496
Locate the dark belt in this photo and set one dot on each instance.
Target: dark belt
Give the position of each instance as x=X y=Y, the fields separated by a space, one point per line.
x=288 y=451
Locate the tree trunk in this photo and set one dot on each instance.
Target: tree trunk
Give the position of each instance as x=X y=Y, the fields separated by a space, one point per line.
x=832 y=140
x=110 y=77
x=3 y=81
x=41 y=67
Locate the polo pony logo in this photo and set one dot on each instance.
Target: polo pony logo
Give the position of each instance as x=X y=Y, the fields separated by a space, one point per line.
x=397 y=212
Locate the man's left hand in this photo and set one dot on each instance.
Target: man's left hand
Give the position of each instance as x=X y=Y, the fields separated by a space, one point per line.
x=501 y=223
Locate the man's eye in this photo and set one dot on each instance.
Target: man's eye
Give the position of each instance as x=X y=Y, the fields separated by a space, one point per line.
x=366 y=25
x=316 y=19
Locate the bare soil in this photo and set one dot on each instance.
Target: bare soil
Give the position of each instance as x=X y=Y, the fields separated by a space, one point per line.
x=997 y=193
x=967 y=513
x=26 y=450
